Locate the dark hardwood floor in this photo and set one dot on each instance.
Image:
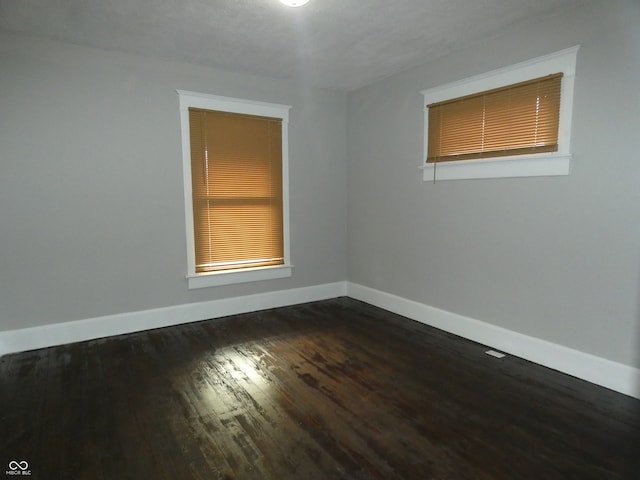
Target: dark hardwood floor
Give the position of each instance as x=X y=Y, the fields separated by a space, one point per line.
x=327 y=390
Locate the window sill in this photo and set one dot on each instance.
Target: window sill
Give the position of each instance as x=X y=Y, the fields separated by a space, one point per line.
x=540 y=165
x=230 y=277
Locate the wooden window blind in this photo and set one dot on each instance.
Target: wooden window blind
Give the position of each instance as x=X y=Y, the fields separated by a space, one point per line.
x=518 y=119
x=236 y=170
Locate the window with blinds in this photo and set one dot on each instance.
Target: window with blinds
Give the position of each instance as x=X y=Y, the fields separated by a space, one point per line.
x=237 y=190
x=518 y=119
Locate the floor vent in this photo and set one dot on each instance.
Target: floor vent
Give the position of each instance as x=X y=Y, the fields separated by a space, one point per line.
x=493 y=353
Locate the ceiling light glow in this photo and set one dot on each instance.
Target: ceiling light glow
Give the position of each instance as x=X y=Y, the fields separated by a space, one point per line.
x=294 y=3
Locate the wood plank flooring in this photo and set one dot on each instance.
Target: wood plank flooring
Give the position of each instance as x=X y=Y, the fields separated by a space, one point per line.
x=326 y=390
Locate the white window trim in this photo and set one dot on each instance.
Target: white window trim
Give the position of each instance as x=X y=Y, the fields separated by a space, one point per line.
x=540 y=164
x=233 y=105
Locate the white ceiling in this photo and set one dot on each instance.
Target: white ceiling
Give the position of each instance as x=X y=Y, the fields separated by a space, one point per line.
x=339 y=44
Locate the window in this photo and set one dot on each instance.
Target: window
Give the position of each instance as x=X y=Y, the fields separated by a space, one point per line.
x=512 y=122
x=235 y=160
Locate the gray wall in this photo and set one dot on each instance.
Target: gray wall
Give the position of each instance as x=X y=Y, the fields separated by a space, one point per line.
x=556 y=258
x=91 y=202
x=91 y=189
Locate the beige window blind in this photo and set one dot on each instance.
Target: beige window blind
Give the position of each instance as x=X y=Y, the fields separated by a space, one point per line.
x=236 y=170
x=518 y=119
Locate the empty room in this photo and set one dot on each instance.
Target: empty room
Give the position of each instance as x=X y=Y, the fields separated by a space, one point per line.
x=322 y=239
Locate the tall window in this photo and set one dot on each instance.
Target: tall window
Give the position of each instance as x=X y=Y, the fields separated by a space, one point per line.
x=512 y=122
x=235 y=175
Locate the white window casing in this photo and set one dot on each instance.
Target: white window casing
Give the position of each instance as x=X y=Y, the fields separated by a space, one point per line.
x=532 y=165
x=249 y=107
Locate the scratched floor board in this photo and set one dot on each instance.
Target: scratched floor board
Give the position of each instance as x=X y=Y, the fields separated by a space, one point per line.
x=373 y=406
x=288 y=434
x=361 y=417
x=326 y=390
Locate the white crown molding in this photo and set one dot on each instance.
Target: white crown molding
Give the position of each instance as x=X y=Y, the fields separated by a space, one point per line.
x=615 y=376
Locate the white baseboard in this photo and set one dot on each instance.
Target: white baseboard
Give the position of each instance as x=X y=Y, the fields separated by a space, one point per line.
x=21 y=340
x=615 y=376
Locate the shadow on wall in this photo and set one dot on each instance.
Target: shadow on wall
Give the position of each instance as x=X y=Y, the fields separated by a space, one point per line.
x=637 y=331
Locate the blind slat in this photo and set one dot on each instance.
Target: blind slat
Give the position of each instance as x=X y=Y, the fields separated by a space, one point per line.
x=236 y=165
x=517 y=119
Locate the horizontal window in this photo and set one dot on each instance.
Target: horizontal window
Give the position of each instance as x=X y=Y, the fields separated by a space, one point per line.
x=508 y=123
x=517 y=119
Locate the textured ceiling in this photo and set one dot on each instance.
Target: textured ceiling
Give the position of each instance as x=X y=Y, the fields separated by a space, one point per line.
x=339 y=44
